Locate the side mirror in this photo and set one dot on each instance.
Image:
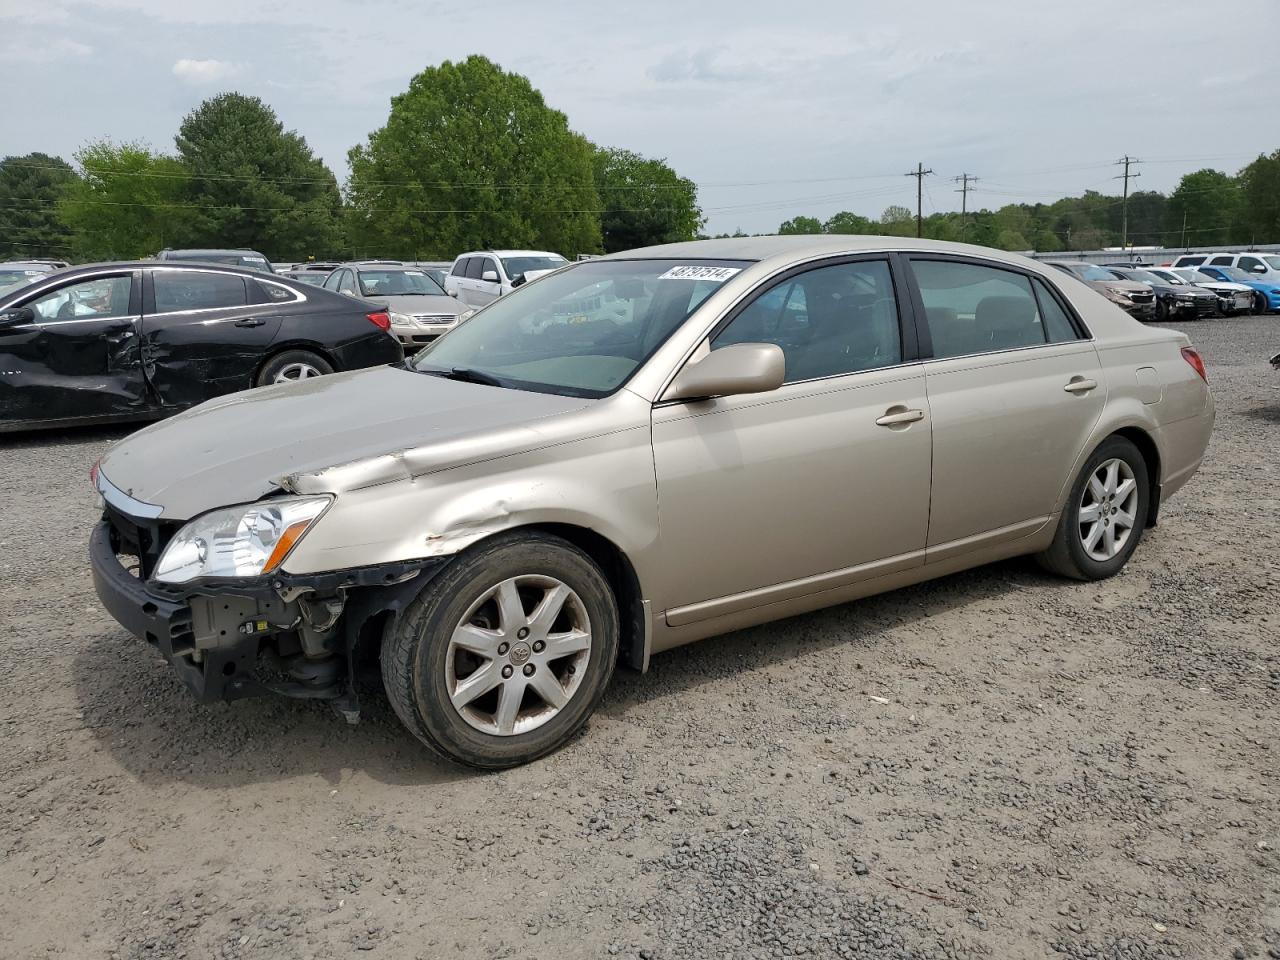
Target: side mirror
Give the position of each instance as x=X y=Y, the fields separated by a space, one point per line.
x=489 y=276
x=16 y=317
x=1258 y=268
x=347 y=291
x=729 y=371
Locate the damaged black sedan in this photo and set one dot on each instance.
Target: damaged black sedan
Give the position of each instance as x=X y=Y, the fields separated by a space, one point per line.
x=143 y=340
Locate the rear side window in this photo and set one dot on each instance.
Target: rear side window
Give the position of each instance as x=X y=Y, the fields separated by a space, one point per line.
x=197 y=290
x=971 y=309
x=475 y=266
x=1190 y=261
x=275 y=293
x=1221 y=261
x=460 y=267
x=828 y=321
x=1057 y=325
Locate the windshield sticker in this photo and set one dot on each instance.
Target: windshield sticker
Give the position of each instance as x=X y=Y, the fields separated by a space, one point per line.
x=414 y=273
x=714 y=274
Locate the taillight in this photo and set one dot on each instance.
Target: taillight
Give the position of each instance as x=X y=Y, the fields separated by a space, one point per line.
x=381 y=319
x=1196 y=362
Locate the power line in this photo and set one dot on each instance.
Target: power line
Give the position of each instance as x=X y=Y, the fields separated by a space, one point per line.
x=919 y=173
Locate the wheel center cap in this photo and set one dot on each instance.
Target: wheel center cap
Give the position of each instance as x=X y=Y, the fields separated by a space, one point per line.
x=520 y=653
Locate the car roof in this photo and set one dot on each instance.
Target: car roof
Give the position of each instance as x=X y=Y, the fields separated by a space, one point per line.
x=766 y=248
x=509 y=253
x=27 y=265
x=235 y=250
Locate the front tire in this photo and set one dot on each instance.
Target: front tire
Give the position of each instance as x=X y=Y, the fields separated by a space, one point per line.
x=505 y=654
x=1260 y=303
x=1104 y=516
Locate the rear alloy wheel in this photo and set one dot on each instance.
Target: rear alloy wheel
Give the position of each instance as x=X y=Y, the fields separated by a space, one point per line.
x=505 y=653
x=293 y=366
x=1105 y=513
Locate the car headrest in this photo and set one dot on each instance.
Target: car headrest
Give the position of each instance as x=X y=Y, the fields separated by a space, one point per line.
x=1006 y=313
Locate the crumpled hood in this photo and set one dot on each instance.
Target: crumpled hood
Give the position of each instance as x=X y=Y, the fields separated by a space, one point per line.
x=429 y=304
x=386 y=423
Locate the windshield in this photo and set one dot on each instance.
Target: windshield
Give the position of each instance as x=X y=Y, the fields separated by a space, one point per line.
x=1168 y=276
x=1142 y=276
x=398 y=283
x=1234 y=273
x=312 y=277
x=10 y=277
x=515 y=266
x=1195 y=276
x=1090 y=272
x=1272 y=262
x=582 y=332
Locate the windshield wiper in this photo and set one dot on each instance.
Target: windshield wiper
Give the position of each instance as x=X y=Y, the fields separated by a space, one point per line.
x=464 y=374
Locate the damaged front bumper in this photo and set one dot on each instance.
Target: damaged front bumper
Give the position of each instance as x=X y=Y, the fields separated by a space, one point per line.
x=292 y=635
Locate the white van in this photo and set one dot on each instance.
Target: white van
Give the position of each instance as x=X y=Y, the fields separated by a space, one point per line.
x=482 y=276
x=1259 y=266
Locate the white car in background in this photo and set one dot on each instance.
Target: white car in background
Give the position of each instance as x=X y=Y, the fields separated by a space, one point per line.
x=1260 y=266
x=482 y=276
x=1233 y=298
x=17 y=272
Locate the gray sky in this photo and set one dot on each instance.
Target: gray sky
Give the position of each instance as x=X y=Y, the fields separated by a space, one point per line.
x=774 y=109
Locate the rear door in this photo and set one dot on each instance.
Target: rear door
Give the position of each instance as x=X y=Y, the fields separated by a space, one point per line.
x=1015 y=388
x=80 y=355
x=204 y=332
x=484 y=291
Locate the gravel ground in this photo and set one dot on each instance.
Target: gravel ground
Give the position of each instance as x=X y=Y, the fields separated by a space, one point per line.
x=1083 y=770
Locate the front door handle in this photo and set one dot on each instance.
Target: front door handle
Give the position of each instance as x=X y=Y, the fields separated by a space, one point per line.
x=250 y=322
x=1080 y=385
x=898 y=416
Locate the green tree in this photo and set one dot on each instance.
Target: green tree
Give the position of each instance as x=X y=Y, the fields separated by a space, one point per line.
x=128 y=203
x=255 y=184
x=472 y=157
x=897 y=221
x=846 y=222
x=30 y=187
x=1208 y=203
x=800 y=225
x=1260 y=196
x=644 y=201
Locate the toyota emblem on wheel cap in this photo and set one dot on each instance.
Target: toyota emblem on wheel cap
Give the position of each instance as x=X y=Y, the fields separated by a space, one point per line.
x=519 y=653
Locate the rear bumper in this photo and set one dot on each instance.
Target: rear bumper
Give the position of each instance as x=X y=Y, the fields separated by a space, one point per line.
x=222 y=673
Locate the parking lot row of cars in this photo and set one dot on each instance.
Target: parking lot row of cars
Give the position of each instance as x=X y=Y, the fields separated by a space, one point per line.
x=1192 y=287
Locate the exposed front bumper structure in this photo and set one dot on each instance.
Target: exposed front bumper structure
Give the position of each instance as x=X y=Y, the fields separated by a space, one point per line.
x=219 y=636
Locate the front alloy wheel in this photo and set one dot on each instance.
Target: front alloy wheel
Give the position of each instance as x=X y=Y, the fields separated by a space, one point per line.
x=505 y=653
x=518 y=655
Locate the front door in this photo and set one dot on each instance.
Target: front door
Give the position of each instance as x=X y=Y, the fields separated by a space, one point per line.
x=203 y=334
x=1015 y=391
x=822 y=482
x=79 y=355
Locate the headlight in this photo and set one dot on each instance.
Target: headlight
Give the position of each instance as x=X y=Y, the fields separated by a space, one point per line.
x=244 y=541
x=1113 y=293
x=400 y=319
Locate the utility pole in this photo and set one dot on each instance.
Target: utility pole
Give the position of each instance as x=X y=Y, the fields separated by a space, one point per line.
x=1184 y=230
x=964 y=180
x=1124 y=214
x=919 y=173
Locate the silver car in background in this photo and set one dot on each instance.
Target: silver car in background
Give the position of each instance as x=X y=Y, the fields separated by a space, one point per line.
x=639 y=451
x=420 y=309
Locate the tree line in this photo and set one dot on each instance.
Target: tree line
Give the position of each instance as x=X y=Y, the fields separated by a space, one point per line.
x=1208 y=208
x=471 y=157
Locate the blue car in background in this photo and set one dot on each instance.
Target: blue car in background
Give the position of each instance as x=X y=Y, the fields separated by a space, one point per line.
x=1266 y=299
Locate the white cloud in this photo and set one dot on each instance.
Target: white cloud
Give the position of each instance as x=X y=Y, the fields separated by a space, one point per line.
x=200 y=73
x=45 y=51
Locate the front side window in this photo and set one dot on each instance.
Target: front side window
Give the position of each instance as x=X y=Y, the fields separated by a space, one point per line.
x=970 y=308
x=1251 y=263
x=829 y=321
x=398 y=283
x=99 y=297
x=197 y=290
x=582 y=332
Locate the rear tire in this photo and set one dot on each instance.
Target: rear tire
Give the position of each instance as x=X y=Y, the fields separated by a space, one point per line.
x=1259 y=303
x=466 y=646
x=1092 y=541
x=291 y=366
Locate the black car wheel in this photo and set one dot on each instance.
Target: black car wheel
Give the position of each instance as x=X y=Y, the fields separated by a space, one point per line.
x=293 y=365
x=1162 y=311
x=504 y=655
x=1259 y=302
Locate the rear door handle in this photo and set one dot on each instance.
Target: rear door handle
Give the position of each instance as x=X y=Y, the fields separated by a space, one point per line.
x=250 y=322
x=1079 y=385
x=896 y=416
